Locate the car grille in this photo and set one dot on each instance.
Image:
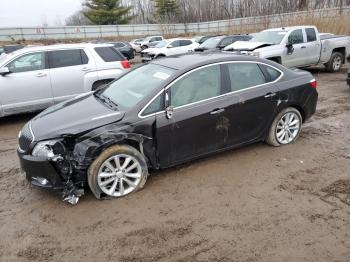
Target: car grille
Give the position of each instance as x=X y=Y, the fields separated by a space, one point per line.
x=26 y=138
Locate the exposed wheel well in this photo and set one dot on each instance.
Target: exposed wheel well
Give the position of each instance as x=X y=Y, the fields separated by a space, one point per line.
x=340 y=50
x=301 y=111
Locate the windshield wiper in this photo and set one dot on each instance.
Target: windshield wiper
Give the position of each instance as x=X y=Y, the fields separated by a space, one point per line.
x=106 y=100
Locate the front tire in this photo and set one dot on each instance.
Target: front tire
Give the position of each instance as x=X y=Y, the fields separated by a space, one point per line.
x=118 y=171
x=285 y=128
x=335 y=62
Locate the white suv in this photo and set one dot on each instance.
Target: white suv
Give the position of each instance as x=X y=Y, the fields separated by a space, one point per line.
x=175 y=46
x=35 y=78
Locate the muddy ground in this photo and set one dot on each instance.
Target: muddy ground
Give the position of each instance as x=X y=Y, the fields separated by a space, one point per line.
x=257 y=203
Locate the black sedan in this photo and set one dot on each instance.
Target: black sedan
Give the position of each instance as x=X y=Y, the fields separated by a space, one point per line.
x=170 y=111
x=220 y=42
x=125 y=48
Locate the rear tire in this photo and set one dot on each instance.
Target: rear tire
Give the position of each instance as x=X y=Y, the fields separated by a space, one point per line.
x=122 y=165
x=285 y=128
x=335 y=62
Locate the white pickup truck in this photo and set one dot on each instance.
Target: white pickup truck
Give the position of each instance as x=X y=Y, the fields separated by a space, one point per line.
x=298 y=46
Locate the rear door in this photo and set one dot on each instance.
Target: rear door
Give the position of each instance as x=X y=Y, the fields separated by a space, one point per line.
x=185 y=46
x=195 y=128
x=67 y=71
x=252 y=101
x=28 y=86
x=174 y=48
x=312 y=46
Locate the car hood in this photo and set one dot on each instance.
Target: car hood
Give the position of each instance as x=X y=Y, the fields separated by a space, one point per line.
x=72 y=117
x=245 y=46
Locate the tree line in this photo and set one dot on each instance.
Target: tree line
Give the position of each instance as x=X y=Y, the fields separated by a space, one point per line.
x=104 y=12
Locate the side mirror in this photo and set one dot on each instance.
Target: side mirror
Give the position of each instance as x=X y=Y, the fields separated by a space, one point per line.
x=290 y=48
x=170 y=46
x=4 y=71
x=169 y=112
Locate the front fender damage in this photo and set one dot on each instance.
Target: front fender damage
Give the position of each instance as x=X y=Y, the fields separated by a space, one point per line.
x=79 y=153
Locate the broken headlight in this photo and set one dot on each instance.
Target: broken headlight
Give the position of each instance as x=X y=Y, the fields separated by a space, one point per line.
x=45 y=149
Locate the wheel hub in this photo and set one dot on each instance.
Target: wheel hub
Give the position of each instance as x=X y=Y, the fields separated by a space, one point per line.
x=119 y=175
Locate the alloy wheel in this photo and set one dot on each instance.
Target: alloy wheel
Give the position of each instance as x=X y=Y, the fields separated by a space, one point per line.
x=288 y=128
x=119 y=175
x=337 y=62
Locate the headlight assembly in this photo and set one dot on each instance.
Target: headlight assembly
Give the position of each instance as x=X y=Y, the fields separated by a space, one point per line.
x=45 y=149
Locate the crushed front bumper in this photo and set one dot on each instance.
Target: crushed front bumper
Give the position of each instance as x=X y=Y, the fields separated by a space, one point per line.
x=40 y=172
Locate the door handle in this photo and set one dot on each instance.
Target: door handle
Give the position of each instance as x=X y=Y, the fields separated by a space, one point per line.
x=217 y=111
x=40 y=74
x=268 y=95
x=84 y=69
x=303 y=47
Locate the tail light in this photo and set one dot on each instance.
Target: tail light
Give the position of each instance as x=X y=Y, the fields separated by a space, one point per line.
x=313 y=83
x=125 y=64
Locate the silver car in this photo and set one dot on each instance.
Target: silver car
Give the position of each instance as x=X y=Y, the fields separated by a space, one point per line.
x=35 y=78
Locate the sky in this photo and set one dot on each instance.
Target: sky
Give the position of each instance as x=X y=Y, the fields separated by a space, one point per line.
x=21 y=13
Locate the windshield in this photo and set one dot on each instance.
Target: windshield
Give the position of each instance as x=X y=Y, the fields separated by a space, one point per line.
x=130 y=89
x=271 y=37
x=161 y=44
x=211 y=42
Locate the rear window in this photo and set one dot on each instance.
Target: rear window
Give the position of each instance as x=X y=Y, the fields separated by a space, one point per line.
x=273 y=74
x=65 y=58
x=109 y=54
x=119 y=44
x=310 y=34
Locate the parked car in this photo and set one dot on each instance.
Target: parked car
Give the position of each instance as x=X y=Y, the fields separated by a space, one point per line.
x=35 y=78
x=298 y=46
x=164 y=113
x=125 y=48
x=145 y=43
x=9 y=48
x=136 y=41
x=220 y=42
x=201 y=39
x=136 y=47
x=175 y=46
x=348 y=78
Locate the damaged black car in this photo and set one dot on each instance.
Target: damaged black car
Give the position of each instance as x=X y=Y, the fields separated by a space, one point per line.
x=170 y=111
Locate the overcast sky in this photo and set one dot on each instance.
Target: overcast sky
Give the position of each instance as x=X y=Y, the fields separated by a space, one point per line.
x=20 y=13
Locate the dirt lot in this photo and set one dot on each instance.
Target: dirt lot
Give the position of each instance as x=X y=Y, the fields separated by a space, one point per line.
x=257 y=203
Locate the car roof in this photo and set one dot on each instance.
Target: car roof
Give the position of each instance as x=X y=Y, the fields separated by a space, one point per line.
x=289 y=28
x=58 y=46
x=191 y=60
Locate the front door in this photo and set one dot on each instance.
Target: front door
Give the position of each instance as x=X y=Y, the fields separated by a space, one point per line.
x=297 y=56
x=28 y=86
x=193 y=130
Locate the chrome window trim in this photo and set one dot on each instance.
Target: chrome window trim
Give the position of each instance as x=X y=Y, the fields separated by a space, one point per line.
x=204 y=100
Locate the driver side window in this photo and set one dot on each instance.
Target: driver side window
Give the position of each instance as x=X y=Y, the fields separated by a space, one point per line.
x=28 y=62
x=175 y=43
x=296 y=37
x=199 y=85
